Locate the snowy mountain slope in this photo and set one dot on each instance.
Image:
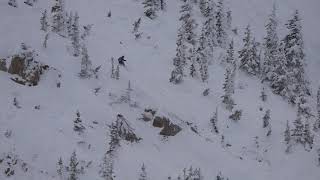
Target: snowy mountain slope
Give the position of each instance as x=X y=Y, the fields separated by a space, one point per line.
x=40 y=137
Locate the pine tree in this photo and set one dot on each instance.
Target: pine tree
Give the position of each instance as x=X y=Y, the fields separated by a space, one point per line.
x=230 y=55
x=287 y=137
x=266 y=119
x=205 y=8
x=220 y=17
x=143 y=173
x=287 y=134
x=135 y=31
x=86 y=65
x=113 y=73
x=60 y=169
x=75 y=37
x=73 y=167
x=297 y=132
x=188 y=23
x=193 y=70
x=44 y=21
x=150 y=8
x=295 y=57
x=58 y=17
x=136 y=26
x=204 y=68
x=307 y=136
x=208 y=33
x=263 y=94
x=107 y=165
x=249 y=58
x=179 y=61
x=203 y=53
x=271 y=42
x=266 y=122
x=69 y=23
x=278 y=75
x=214 y=121
x=78 y=126
x=13 y=3
x=228 y=88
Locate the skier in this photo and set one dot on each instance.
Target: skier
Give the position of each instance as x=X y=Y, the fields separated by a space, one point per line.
x=121 y=60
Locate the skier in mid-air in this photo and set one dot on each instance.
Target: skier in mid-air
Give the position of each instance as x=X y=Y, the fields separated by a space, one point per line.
x=121 y=60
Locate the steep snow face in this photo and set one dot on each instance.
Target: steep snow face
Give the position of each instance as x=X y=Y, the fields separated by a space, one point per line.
x=40 y=137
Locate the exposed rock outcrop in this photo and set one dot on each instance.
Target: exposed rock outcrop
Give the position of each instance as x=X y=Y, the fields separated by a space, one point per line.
x=168 y=128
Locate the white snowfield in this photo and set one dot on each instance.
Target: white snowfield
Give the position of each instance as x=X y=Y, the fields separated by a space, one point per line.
x=41 y=137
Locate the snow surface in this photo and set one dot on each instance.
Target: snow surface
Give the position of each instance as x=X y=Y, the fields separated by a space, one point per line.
x=40 y=137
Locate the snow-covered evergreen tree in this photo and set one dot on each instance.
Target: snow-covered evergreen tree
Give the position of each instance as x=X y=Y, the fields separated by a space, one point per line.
x=220 y=21
x=207 y=38
x=287 y=137
x=69 y=23
x=297 y=132
x=271 y=42
x=193 y=70
x=150 y=8
x=204 y=52
x=266 y=119
x=113 y=71
x=206 y=8
x=278 y=75
x=230 y=55
x=249 y=59
x=75 y=37
x=179 y=61
x=295 y=58
x=143 y=173
x=73 y=167
x=266 y=122
x=188 y=23
x=307 y=136
x=214 y=122
x=86 y=65
x=86 y=31
x=44 y=21
x=13 y=3
x=263 y=95
x=78 y=126
x=58 y=17
x=228 y=88
x=60 y=168
x=107 y=166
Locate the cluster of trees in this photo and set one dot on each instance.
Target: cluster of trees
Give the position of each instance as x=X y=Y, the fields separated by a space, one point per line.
x=72 y=171
x=67 y=25
x=152 y=6
x=195 y=51
x=119 y=130
x=278 y=62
